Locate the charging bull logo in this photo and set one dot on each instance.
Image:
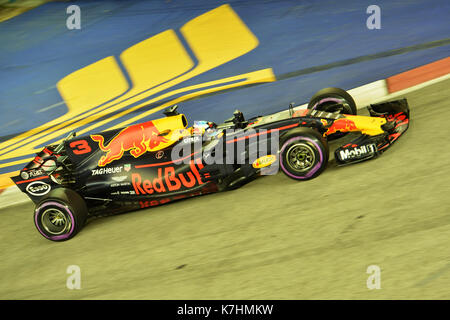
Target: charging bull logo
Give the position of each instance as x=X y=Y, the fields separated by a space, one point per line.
x=341 y=125
x=138 y=139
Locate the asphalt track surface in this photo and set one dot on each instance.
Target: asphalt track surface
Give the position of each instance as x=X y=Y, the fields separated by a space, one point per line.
x=274 y=238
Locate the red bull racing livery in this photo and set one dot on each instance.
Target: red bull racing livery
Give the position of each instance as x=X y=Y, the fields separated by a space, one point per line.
x=164 y=160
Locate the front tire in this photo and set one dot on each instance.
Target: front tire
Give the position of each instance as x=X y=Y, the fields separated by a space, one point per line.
x=304 y=154
x=333 y=100
x=61 y=215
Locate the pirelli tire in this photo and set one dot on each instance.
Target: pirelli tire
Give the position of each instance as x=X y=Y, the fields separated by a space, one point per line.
x=304 y=154
x=60 y=215
x=327 y=100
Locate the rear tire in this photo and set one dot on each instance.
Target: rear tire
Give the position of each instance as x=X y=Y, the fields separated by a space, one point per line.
x=304 y=154
x=61 y=215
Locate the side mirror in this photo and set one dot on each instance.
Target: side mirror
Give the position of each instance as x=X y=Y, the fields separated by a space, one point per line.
x=171 y=111
x=291 y=109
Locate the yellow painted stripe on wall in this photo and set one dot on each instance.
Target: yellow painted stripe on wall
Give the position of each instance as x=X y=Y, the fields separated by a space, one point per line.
x=153 y=65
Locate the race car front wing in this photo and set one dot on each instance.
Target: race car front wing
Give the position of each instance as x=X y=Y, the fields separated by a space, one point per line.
x=367 y=146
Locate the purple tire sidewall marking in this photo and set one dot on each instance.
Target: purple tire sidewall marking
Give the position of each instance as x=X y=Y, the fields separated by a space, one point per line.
x=337 y=100
x=57 y=204
x=313 y=170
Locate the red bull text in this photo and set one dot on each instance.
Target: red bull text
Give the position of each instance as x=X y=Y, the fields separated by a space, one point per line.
x=167 y=182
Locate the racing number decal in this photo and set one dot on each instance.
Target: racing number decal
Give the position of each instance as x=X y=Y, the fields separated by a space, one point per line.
x=80 y=147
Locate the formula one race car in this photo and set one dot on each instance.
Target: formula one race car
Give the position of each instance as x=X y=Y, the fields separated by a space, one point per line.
x=163 y=160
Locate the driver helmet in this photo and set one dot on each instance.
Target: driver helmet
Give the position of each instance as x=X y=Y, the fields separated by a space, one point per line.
x=200 y=127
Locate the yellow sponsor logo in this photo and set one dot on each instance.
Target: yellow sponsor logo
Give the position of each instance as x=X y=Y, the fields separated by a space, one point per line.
x=264 y=161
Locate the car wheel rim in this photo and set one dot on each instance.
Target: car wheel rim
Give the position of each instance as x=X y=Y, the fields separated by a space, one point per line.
x=55 y=221
x=300 y=157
